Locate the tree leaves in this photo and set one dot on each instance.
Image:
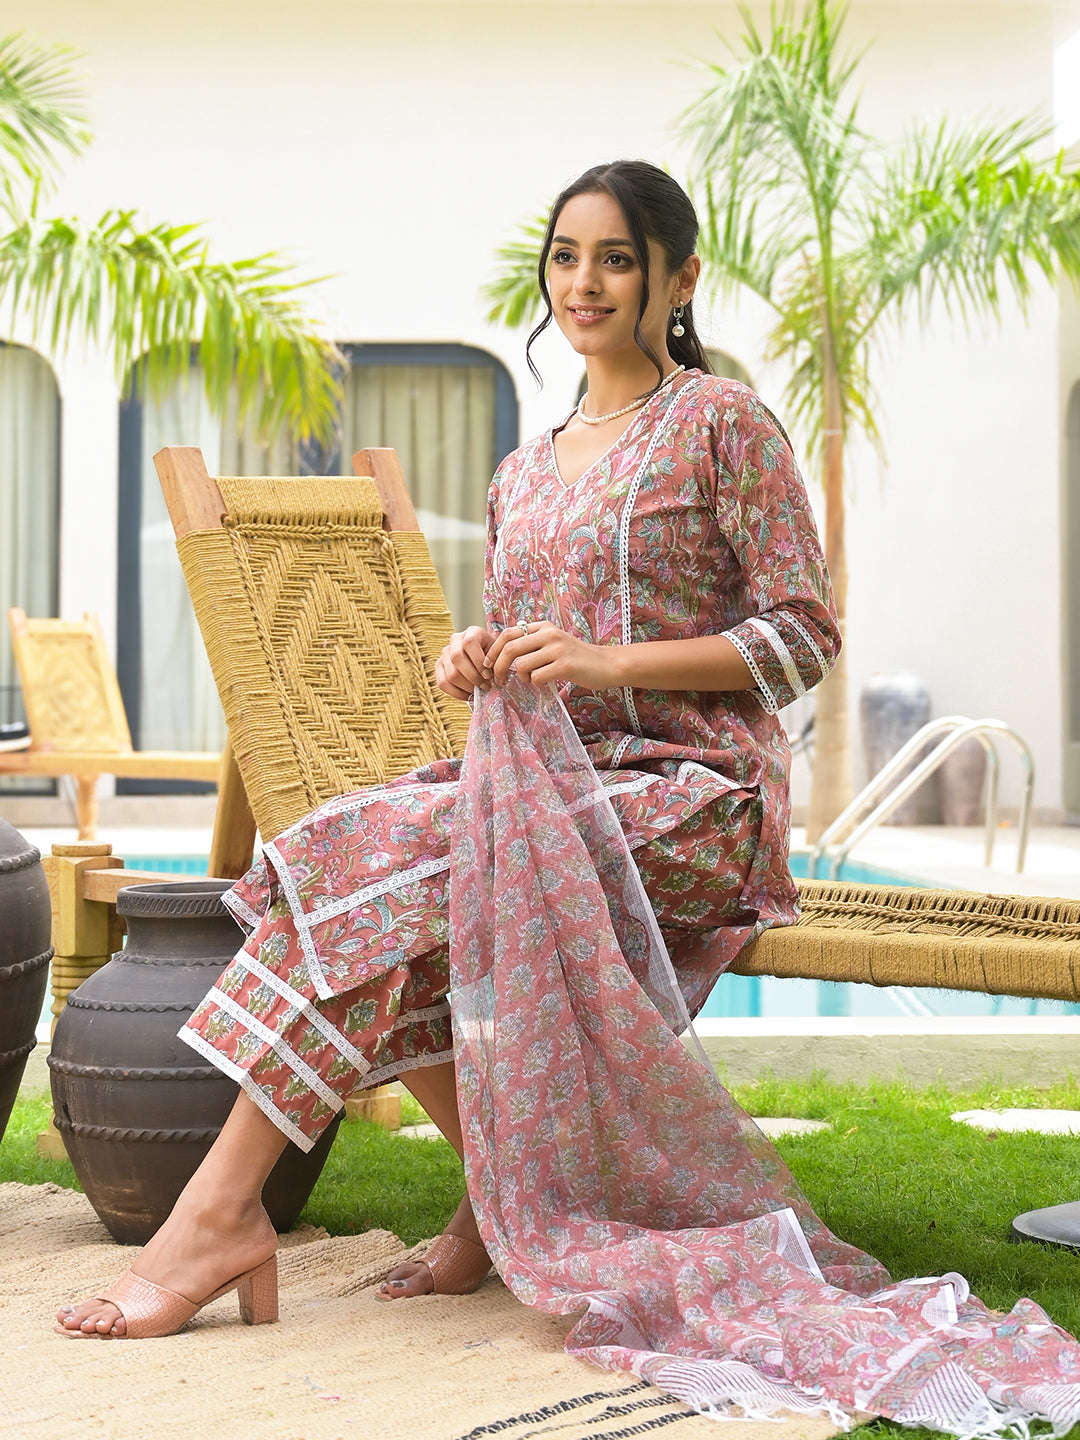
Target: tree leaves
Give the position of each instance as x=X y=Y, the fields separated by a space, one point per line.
x=514 y=292
x=149 y=292
x=40 y=113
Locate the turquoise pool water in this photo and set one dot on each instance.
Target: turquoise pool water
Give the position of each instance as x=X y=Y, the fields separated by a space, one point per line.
x=746 y=996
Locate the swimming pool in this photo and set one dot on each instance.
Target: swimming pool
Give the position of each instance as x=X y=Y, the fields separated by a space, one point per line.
x=751 y=996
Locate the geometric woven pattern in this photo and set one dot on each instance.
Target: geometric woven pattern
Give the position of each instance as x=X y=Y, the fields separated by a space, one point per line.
x=952 y=939
x=69 y=686
x=322 y=630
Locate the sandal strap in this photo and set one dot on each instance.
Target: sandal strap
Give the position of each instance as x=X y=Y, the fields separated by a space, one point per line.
x=149 y=1310
x=457 y=1266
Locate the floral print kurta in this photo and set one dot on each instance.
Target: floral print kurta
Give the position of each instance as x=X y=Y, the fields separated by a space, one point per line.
x=694 y=523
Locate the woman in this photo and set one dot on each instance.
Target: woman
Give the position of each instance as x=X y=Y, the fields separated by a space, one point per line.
x=622 y=275
x=655 y=592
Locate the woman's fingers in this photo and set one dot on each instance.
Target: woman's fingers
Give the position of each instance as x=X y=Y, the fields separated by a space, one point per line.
x=516 y=646
x=460 y=667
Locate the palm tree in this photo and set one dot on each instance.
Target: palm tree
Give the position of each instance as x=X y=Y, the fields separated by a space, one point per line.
x=839 y=235
x=152 y=292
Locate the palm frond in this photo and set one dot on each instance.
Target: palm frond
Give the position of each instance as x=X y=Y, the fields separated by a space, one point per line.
x=514 y=291
x=153 y=293
x=959 y=215
x=772 y=130
x=41 y=114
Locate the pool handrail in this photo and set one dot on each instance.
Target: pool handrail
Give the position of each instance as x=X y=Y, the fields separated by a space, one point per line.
x=959 y=728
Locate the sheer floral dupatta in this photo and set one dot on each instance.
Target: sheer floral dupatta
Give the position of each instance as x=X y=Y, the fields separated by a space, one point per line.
x=612 y=1175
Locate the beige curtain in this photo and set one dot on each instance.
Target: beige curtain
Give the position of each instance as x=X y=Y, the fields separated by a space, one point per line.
x=29 y=529
x=441 y=421
x=178 y=704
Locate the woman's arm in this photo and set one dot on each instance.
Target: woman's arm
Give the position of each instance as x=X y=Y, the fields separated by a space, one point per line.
x=791 y=635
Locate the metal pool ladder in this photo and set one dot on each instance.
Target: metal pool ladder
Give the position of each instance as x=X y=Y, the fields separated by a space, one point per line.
x=890 y=786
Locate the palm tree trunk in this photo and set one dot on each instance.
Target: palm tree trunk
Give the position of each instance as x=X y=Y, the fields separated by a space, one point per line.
x=830 y=788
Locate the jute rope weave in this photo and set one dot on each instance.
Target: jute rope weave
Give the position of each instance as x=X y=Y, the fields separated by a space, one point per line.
x=322 y=631
x=953 y=939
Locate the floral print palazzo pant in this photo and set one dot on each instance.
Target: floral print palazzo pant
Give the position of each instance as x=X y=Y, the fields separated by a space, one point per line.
x=342 y=981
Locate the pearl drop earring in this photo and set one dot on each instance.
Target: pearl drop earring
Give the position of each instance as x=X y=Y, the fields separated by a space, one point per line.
x=678 y=328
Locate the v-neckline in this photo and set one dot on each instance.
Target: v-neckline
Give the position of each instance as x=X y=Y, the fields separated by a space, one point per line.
x=667 y=392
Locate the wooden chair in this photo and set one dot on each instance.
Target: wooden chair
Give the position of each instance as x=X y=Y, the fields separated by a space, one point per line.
x=76 y=715
x=322 y=617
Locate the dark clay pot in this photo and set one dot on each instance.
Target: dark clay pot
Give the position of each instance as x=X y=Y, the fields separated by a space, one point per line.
x=25 y=952
x=137 y=1107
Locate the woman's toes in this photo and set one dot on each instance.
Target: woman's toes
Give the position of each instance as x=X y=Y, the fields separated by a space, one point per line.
x=406 y=1282
x=90 y=1319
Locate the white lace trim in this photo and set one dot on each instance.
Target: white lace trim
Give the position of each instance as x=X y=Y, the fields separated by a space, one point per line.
x=304 y=1007
x=420 y=1017
x=768 y=700
x=311 y=955
x=774 y=639
x=300 y=1068
x=254 y=1092
x=396 y=881
x=814 y=650
x=631 y=787
x=620 y=751
x=240 y=909
x=358 y=799
x=401 y=1067
x=624 y=544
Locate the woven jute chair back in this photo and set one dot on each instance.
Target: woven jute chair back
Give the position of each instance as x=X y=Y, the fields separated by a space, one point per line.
x=322 y=628
x=69 y=686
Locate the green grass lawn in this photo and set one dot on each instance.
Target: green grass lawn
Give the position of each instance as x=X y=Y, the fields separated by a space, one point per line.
x=894 y=1176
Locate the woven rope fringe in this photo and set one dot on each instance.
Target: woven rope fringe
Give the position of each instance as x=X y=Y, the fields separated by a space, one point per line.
x=957 y=912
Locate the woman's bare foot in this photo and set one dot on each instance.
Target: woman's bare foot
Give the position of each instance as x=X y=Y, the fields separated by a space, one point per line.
x=414 y=1277
x=200 y=1247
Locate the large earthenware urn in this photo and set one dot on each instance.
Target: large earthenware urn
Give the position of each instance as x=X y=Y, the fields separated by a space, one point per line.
x=25 y=952
x=137 y=1107
x=892 y=708
x=961 y=780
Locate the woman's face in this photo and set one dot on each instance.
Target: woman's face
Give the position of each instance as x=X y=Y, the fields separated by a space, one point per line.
x=595 y=281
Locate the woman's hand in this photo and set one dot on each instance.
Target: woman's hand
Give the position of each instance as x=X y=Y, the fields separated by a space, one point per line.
x=540 y=652
x=460 y=667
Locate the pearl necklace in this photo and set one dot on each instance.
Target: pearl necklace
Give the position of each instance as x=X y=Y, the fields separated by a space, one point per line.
x=634 y=404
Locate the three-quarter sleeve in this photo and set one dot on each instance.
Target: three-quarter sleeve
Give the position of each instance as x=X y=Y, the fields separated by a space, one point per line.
x=789 y=637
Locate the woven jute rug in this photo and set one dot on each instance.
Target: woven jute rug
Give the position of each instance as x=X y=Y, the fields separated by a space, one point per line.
x=338 y=1365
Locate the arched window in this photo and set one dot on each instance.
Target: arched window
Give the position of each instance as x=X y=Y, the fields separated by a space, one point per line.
x=449 y=410
x=30 y=506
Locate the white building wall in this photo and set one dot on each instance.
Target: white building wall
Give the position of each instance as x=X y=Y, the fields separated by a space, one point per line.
x=393 y=145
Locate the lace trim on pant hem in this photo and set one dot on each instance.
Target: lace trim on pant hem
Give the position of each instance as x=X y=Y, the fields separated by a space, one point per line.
x=249 y=1087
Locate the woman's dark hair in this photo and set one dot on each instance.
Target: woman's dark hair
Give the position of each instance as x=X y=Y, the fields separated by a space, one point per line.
x=657 y=208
